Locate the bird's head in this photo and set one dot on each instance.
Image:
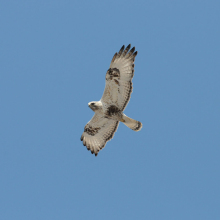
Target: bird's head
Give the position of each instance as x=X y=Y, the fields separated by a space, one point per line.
x=94 y=105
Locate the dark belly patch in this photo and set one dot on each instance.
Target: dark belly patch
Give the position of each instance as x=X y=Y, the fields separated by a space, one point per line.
x=113 y=110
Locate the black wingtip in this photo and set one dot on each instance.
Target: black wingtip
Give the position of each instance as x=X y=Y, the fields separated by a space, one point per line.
x=122 y=48
x=114 y=57
x=128 y=47
x=135 y=54
x=132 y=50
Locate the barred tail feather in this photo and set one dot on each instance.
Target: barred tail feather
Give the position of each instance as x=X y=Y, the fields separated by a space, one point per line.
x=131 y=123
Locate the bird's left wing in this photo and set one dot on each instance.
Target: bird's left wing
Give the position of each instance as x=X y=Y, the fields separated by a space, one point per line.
x=97 y=132
x=118 y=80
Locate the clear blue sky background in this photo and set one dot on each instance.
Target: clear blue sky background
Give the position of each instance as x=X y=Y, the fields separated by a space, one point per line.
x=53 y=60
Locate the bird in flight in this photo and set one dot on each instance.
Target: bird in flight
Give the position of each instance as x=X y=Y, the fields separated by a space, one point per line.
x=109 y=110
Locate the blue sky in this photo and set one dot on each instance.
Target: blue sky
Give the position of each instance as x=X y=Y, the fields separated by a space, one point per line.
x=54 y=56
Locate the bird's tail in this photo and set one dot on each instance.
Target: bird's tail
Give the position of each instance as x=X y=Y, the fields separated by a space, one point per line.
x=131 y=123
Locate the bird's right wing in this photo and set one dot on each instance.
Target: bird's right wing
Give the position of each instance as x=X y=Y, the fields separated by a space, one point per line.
x=97 y=132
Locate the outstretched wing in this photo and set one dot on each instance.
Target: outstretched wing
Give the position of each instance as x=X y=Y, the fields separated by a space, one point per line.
x=118 y=85
x=97 y=132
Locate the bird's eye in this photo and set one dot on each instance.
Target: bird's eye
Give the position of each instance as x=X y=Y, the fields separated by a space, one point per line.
x=93 y=103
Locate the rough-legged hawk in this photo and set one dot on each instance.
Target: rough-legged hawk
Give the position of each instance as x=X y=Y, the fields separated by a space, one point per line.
x=109 y=110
